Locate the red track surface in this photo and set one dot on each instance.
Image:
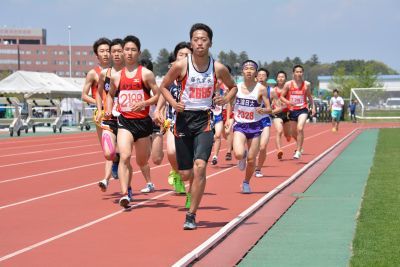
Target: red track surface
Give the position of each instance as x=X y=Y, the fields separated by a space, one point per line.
x=52 y=212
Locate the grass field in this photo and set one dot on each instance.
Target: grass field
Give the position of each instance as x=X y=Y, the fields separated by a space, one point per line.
x=377 y=238
x=381 y=113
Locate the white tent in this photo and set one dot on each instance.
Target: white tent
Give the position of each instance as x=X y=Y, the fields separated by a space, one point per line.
x=37 y=83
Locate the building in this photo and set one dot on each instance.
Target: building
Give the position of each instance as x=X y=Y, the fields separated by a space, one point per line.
x=388 y=81
x=26 y=49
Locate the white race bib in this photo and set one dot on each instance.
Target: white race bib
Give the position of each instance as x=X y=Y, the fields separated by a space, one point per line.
x=127 y=98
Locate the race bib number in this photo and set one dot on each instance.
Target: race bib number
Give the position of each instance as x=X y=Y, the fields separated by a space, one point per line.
x=245 y=115
x=297 y=100
x=200 y=92
x=127 y=98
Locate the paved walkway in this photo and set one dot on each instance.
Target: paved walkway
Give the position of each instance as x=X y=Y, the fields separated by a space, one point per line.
x=318 y=229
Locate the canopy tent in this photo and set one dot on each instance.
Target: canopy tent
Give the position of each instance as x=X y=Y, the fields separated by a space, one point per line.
x=35 y=84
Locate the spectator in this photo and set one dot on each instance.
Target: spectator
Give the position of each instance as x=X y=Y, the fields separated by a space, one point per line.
x=352 y=108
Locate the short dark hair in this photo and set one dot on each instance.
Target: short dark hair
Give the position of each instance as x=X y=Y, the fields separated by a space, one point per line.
x=279 y=72
x=146 y=63
x=117 y=41
x=264 y=70
x=335 y=90
x=100 y=42
x=201 y=26
x=298 y=66
x=180 y=46
x=171 y=58
x=133 y=39
x=229 y=68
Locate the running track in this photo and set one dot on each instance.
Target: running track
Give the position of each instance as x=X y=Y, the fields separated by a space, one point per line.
x=53 y=213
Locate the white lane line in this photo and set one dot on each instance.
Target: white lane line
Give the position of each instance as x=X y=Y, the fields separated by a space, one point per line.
x=47 y=150
x=46 y=143
x=46 y=241
x=42 y=138
x=48 y=159
x=205 y=246
x=61 y=170
x=66 y=190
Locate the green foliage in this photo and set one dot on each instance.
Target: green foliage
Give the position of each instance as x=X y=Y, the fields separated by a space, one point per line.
x=4 y=74
x=376 y=242
x=146 y=55
x=161 y=64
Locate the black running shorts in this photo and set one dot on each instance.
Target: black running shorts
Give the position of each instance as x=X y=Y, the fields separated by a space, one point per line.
x=139 y=128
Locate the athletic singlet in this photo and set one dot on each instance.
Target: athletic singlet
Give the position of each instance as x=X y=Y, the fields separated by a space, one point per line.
x=198 y=87
x=174 y=89
x=246 y=104
x=132 y=90
x=297 y=96
x=107 y=85
x=283 y=104
x=94 y=85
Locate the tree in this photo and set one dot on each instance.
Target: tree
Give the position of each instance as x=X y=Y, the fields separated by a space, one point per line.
x=161 y=64
x=4 y=74
x=146 y=55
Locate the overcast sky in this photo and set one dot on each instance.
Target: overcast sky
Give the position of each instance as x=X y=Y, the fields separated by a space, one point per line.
x=268 y=30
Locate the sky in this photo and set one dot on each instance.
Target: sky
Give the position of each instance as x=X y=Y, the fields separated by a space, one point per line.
x=266 y=29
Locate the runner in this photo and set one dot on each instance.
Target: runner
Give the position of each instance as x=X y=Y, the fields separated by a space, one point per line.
x=109 y=125
x=193 y=134
x=336 y=107
x=298 y=90
x=249 y=124
x=101 y=48
x=156 y=139
x=262 y=77
x=167 y=120
x=134 y=124
x=280 y=119
x=218 y=121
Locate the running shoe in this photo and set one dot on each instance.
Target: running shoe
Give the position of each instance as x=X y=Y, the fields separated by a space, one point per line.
x=114 y=170
x=190 y=222
x=228 y=156
x=246 y=188
x=149 y=188
x=297 y=154
x=334 y=130
x=171 y=177
x=188 y=200
x=130 y=193
x=280 y=154
x=124 y=201
x=103 y=184
x=214 y=160
x=258 y=174
x=243 y=162
x=179 y=185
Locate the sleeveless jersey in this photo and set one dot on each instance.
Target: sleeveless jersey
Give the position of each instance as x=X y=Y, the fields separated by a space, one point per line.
x=198 y=87
x=132 y=90
x=297 y=96
x=278 y=95
x=246 y=104
x=94 y=86
x=174 y=89
x=107 y=85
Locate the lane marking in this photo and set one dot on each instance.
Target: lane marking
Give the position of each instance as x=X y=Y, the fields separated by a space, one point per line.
x=47 y=150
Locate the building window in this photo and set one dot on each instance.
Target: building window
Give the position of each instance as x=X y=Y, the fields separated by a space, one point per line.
x=8 y=51
x=61 y=53
x=22 y=52
x=78 y=63
x=44 y=62
x=37 y=52
x=8 y=61
x=44 y=52
x=84 y=53
x=55 y=62
x=91 y=53
x=78 y=53
x=60 y=62
x=84 y=62
x=28 y=52
x=61 y=73
x=28 y=62
x=22 y=62
x=55 y=53
x=91 y=63
x=38 y=62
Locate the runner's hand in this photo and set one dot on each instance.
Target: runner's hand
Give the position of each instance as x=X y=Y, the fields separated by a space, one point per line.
x=158 y=118
x=138 y=106
x=313 y=112
x=179 y=107
x=220 y=100
x=98 y=116
x=107 y=115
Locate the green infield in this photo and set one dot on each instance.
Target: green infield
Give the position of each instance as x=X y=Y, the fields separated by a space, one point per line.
x=377 y=239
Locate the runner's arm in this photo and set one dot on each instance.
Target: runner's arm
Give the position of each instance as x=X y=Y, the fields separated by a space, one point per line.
x=114 y=82
x=99 y=95
x=89 y=81
x=174 y=73
x=310 y=99
x=225 y=77
x=285 y=90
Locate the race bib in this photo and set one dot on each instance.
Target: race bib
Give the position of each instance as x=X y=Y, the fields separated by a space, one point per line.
x=297 y=100
x=127 y=98
x=245 y=116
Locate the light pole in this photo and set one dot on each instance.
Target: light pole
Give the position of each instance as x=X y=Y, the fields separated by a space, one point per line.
x=70 y=51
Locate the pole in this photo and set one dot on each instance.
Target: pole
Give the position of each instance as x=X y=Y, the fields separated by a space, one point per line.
x=70 y=51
